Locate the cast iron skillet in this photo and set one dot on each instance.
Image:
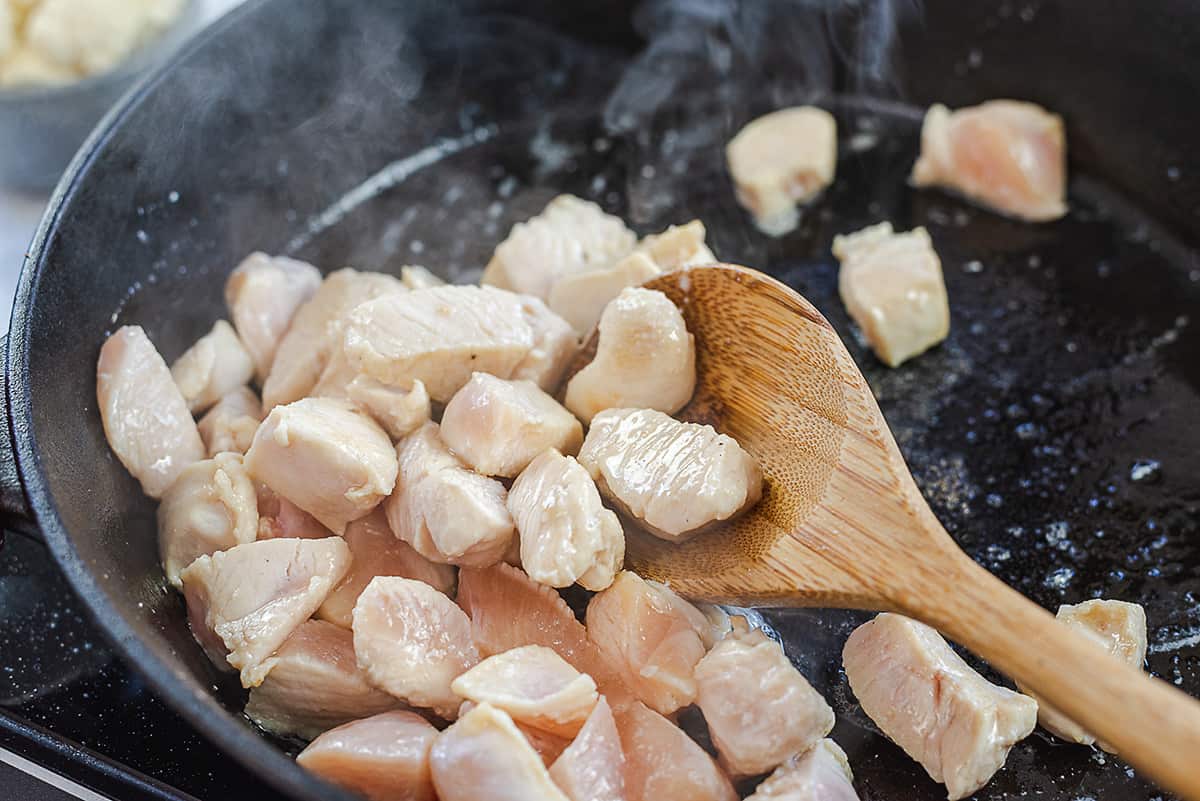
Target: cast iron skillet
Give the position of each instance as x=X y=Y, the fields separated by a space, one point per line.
x=1054 y=432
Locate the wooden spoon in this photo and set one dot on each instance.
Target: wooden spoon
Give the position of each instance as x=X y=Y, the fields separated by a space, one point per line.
x=842 y=524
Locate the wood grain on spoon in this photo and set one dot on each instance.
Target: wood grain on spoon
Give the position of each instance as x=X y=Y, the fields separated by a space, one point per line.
x=843 y=524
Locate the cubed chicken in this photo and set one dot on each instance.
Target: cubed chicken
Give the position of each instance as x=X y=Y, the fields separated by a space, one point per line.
x=146 y=419
x=415 y=276
x=648 y=640
x=580 y=299
x=821 y=774
x=592 y=768
x=711 y=622
x=497 y=427
x=780 y=160
x=678 y=246
x=662 y=762
x=212 y=368
x=244 y=603
x=448 y=513
x=444 y=334
x=569 y=236
x=413 y=641
x=749 y=671
x=892 y=286
x=280 y=518
x=230 y=425
x=263 y=293
x=399 y=411
x=548 y=746
x=567 y=536
x=315 y=684
x=210 y=507
x=535 y=686
x=383 y=758
x=304 y=349
x=931 y=703
x=1003 y=154
x=645 y=358
x=675 y=478
x=326 y=457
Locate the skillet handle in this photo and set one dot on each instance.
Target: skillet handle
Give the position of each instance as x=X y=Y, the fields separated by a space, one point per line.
x=15 y=514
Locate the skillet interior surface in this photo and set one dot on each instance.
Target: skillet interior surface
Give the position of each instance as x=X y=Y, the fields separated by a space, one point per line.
x=1052 y=432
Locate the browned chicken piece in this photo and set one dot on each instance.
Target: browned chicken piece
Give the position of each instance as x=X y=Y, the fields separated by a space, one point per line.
x=648 y=640
x=263 y=293
x=315 y=329
x=535 y=686
x=580 y=299
x=1003 y=154
x=326 y=457
x=569 y=236
x=314 y=684
x=383 y=758
x=567 y=535
x=448 y=513
x=413 y=642
x=212 y=368
x=645 y=358
x=444 y=334
x=677 y=246
x=780 y=160
x=146 y=420
x=280 y=518
x=663 y=764
x=484 y=749
x=747 y=671
x=210 y=507
x=243 y=603
x=497 y=427
x=931 y=703
x=230 y=425
x=821 y=774
x=675 y=478
x=592 y=768
x=415 y=276
x=377 y=552
x=399 y=411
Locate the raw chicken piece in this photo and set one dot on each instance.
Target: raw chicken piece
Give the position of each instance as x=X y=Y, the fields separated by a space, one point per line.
x=548 y=746
x=212 y=368
x=243 y=603
x=263 y=293
x=1004 y=154
x=377 y=552
x=304 y=350
x=749 y=671
x=210 y=507
x=675 y=478
x=413 y=642
x=230 y=425
x=416 y=277
x=384 y=757
x=314 y=684
x=448 y=513
x=399 y=411
x=930 y=702
x=710 y=621
x=678 y=246
x=892 y=286
x=592 y=768
x=535 y=686
x=338 y=374
x=146 y=419
x=664 y=764
x=497 y=427
x=822 y=774
x=569 y=236
x=567 y=535
x=780 y=160
x=580 y=299
x=326 y=457
x=648 y=640
x=443 y=334
x=279 y=517
x=645 y=358
x=484 y=749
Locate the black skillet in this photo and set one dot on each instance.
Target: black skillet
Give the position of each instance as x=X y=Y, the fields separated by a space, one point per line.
x=1054 y=432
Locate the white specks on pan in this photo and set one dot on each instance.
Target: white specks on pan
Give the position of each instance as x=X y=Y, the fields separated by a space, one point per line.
x=1060 y=579
x=1145 y=470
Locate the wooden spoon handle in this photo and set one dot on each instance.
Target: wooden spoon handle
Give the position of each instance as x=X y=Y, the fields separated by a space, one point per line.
x=1152 y=725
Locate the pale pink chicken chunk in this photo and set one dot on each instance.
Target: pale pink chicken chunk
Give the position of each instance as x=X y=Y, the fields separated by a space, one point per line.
x=1004 y=154
x=414 y=276
x=548 y=746
x=146 y=419
x=383 y=758
x=677 y=246
x=710 y=621
x=263 y=293
x=821 y=774
x=212 y=368
x=315 y=684
x=663 y=764
x=497 y=427
x=592 y=768
x=413 y=642
x=243 y=603
x=399 y=411
x=279 y=517
x=927 y=700
x=231 y=423
x=760 y=710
